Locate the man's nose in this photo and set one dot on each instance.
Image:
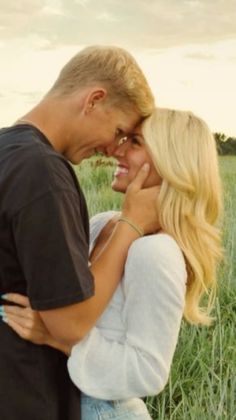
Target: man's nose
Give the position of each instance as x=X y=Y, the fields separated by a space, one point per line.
x=118 y=149
x=115 y=149
x=111 y=150
x=107 y=151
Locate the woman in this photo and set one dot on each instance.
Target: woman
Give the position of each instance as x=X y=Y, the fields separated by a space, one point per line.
x=128 y=354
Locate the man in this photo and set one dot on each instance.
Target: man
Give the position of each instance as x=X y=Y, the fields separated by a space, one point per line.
x=98 y=98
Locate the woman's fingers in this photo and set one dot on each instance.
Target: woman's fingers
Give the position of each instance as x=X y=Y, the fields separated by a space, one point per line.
x=24 y=316
x=17 y=298
x=26 y=323
x=17 y=311
x=29 y=329
x=140 y=178
x=19 y=329
x=24 y=310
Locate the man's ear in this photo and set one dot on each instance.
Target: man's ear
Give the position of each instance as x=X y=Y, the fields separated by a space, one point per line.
x=94 y=98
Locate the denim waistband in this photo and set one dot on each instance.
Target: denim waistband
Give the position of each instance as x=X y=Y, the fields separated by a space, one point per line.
x=129 y=403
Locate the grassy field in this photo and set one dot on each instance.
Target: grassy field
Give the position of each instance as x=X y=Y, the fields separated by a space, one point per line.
x=202 y=383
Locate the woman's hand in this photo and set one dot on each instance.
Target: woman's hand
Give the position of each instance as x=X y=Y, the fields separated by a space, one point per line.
x=141 y=204
x=26 y=322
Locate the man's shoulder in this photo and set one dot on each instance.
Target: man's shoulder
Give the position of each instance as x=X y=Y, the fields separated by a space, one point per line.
x=24 y=139
x=27 y=150
x=31 y=168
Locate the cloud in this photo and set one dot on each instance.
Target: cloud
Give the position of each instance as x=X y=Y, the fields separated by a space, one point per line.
x=83 y=3
x=14 y=16
x=201 y=56
x=135 y=24
x=22 y=7
x=50 y=10
x=107 y=17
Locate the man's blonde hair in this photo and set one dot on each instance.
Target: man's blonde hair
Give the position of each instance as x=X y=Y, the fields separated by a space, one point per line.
x=115 y=69
x=184 y=153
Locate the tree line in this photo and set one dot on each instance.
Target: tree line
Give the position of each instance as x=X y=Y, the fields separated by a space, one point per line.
x=225 y=145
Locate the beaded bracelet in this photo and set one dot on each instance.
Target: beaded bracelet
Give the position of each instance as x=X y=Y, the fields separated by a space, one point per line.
x=138 y=229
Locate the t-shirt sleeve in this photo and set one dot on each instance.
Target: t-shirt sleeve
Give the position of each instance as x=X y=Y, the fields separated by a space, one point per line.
x=154 y=285
x=52 y=249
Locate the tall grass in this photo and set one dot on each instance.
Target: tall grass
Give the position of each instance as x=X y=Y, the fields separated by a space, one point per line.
x=202 y=383
x=95 y=177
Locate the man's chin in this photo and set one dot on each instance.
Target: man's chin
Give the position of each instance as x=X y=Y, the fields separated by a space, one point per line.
x=90 y=153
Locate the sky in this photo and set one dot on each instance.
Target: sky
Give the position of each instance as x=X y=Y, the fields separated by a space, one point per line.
x=187 y=49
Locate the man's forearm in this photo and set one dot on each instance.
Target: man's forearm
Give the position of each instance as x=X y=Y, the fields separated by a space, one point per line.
x=108 y=269
x=70 y=324
x=64 y=348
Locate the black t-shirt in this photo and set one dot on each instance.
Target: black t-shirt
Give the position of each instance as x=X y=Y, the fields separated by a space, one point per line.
x=44 y=234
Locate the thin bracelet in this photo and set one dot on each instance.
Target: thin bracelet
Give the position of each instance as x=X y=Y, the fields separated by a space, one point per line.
x=138 y=229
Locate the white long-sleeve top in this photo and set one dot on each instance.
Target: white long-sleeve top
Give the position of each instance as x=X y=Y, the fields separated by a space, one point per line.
x=129 y=351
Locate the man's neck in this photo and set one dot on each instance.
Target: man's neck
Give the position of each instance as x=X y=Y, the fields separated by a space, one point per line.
x=49 y=121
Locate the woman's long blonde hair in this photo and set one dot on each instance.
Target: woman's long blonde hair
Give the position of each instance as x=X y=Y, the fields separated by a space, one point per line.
x=184 y=153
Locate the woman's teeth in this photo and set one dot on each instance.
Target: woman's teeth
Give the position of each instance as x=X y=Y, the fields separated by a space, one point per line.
x=120 y=170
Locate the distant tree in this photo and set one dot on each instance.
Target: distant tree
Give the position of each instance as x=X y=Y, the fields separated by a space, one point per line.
x=230 y=146
x=220 y=137
x=225 y=146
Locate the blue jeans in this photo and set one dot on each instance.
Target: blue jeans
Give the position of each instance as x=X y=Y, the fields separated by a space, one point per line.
x=96 y=409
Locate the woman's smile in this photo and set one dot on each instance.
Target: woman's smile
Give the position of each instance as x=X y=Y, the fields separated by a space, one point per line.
x=130 y=157
x=121 y=170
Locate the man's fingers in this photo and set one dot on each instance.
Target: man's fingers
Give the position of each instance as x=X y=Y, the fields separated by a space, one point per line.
x=17 y=298
x=140 y=178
